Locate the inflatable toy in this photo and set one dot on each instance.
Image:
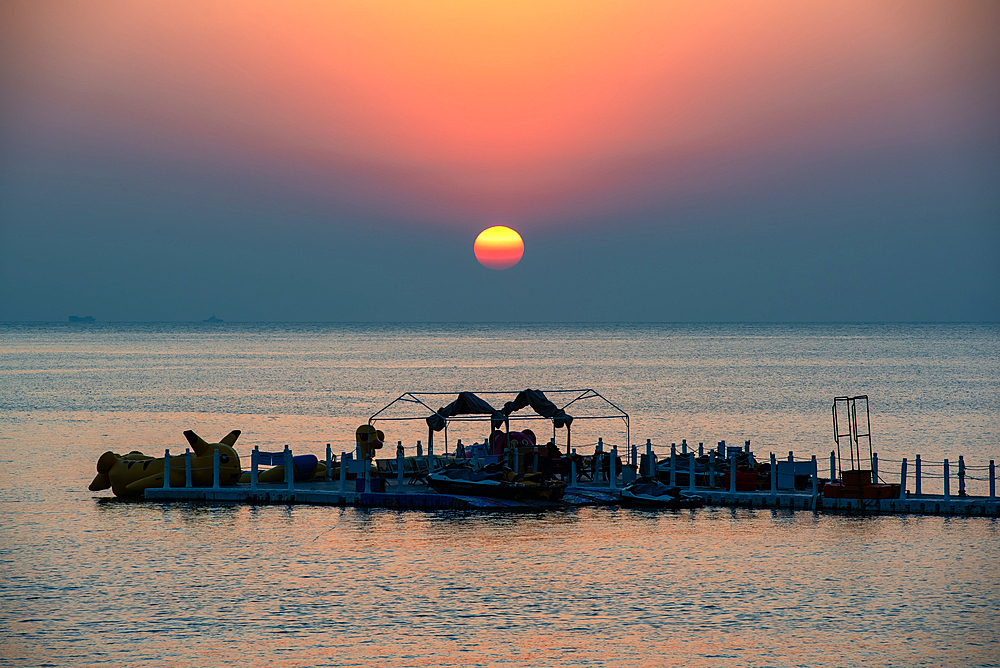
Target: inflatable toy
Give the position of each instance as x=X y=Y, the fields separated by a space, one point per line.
x=130 y=475
x=306 y=467
x=369 y=440
x=519 y=439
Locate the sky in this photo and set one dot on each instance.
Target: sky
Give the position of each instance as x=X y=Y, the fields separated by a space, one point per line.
x=663 y=161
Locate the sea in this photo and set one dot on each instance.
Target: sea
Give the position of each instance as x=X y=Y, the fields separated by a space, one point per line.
x=88 y=580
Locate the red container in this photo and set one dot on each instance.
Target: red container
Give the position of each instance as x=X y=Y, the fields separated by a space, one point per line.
x=856 y=478
x=880 y=492
x=746 y=481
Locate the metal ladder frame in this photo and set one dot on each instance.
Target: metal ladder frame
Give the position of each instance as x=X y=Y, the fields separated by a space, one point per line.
x=853 y=433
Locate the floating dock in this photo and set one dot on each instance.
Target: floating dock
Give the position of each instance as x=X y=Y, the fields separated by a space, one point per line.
x=421 y=497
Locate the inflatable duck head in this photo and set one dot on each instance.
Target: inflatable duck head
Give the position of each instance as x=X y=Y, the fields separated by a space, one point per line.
x=369 y=440
x=130 y=475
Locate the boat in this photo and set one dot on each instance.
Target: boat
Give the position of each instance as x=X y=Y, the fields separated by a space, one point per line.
x=213 y=319
x=81 y=318
x=491 y=482
x=651 y=493
x=496 y=481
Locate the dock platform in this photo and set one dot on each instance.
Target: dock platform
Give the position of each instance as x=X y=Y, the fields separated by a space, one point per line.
x=421 y=497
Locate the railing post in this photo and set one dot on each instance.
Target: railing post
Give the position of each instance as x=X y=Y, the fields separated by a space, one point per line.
x=947 y=482
x=635 y=455
x=329 y=463
x=732 y=473
x=815 y=477
x=746 y=447
x=254 y=467
x=701 y=450
x=612 y=468
x=343 y=472
x=215 y=470
x=420 y=449
x=791 y=457
x=599 y=459
x=961 y=475
x=993 y=482
x=572 y=469
x=684 y=446
x=166 y=469
x=650 y=464
x=691 y=470
x=833 y=466
x=902 y=479
x=874 y=468
x=916 y=476
x=187 y=467
x=774 y=477
x=673 y=464
x=289 y=469
x=430 y=458
x=711 y=469
x=400 y=462
x=722 y=449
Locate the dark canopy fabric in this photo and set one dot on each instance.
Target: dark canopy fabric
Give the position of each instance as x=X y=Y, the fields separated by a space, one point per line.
x=466 y=404
x=541 y=405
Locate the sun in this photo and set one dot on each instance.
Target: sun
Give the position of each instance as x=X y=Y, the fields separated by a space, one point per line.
x=499 y=247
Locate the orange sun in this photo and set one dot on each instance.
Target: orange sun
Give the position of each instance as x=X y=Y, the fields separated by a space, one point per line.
x=499 y=247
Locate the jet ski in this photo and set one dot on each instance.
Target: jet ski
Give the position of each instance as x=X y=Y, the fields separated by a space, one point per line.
x=651 y=493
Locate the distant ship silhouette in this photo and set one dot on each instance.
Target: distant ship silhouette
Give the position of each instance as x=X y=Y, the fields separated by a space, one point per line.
x=81 y=318
x=213 y=319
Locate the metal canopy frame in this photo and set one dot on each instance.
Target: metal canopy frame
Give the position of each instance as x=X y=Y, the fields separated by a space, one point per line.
x=419 y=399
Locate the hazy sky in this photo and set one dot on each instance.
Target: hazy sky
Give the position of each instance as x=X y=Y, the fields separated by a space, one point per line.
x=297 y=160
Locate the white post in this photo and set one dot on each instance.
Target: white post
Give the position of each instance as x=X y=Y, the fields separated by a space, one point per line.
x=774 y=477
x=815 y=477
x=572 y=469
x=947 y=483
x=166 y=469
x=215 y=470
x=612 y=468
x=343 y=472
x=599 y=459
x=916 y=476
x=254 y=467
x=187 y=467
x=732 y=473
x=993 y=482
x=961 y=475
x=329 y=463
x=289 y=469
x=902 y=480
x=400 y=461
x=673 y=462
x=691 y=470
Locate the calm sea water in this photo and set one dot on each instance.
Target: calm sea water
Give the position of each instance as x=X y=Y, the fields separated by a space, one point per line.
x=91 y=581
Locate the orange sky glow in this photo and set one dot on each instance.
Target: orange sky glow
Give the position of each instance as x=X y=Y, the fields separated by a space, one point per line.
x=498 y=108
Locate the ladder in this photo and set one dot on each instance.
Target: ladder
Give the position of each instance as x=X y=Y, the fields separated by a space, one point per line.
x=846 y=425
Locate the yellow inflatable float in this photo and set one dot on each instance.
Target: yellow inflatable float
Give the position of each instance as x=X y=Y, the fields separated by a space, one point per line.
x=129 y=475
